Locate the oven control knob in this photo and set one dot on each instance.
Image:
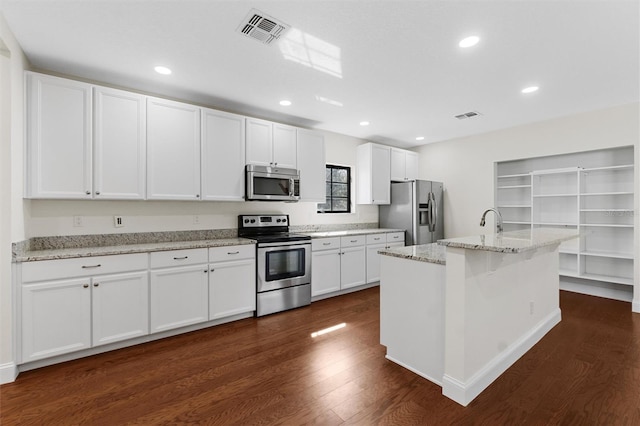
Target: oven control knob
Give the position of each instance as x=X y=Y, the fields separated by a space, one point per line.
x=284 y=220
x=253 y=221
x=246 y=221
x=279 y=220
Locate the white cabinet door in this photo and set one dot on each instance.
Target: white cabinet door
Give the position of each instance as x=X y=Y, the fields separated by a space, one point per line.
x=232 y=288
x=353 y=267
x=311 y=163
x=119 y=144
x=325 y=271
x=173 y=150
x=411 y=166
x=223 y=156
x=58 y=137
x=259 y=142
x=398 y=164
x=380 y=175
x=120 y=307
x=56 y=318
x=179 y=297
x=373 y=262
x=284 y=146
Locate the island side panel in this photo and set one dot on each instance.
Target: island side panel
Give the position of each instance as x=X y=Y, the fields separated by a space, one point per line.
x=498 y=305
x=412 y=315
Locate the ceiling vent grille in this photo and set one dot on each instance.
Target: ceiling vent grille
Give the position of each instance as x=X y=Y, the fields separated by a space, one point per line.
x=262 y=27
x=469 y=114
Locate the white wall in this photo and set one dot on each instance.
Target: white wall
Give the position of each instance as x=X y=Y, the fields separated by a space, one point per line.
x=55 y=217
x=12 y=66
x=466 y=165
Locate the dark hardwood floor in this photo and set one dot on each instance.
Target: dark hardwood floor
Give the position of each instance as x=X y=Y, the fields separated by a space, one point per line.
x=270 y=371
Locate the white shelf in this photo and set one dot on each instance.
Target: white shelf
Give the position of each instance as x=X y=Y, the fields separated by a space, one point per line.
x=568 y=273
x=607 y=278
x=606 y=210
x=513 y=222
x=514 y=176
x=605 y=225
x=609 y=255
x=555 y=171
x=568 y=251
x=554 y=195
x=622 y=167
x=514 y=206
x=514 y=186
x=586 y=194
x=555 y=223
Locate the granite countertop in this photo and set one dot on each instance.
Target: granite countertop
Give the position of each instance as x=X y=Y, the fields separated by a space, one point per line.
x=432 y=253
x=514 y=241
x=349 y=232
x=66 y=253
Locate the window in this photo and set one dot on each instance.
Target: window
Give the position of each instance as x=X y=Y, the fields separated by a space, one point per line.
x=338 y=179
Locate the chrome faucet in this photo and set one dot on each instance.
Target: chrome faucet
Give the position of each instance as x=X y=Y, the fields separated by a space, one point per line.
x=498 y=215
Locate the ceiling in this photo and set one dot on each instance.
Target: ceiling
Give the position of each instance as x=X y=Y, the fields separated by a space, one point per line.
x=396 y=64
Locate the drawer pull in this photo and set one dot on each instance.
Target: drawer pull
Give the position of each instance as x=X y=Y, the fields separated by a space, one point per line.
x=91 y=266
x=96 y=284
x=181 y=258
x=354 y=241
x=211 y=270
x=85 y=285
x=376 y=239
x=326 y=244
x=233 y=252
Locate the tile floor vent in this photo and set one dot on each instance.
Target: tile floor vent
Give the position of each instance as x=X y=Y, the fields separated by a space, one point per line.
x=262 y=27
x=466 y=115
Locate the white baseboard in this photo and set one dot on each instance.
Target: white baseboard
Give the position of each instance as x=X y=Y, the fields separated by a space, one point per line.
x=8 y=373
x=635 y=307
x=345 y=291
x=465 y=392
x=419 y=373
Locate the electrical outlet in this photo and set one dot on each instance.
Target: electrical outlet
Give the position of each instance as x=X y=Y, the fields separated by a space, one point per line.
x=531 y=306
x=118 y=222
x=78 y=221
x=196 y=220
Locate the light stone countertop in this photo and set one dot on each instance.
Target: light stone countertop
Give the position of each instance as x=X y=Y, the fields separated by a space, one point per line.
x=513 y=241
x=66 y=253
x=350 y=232
x=432 y=253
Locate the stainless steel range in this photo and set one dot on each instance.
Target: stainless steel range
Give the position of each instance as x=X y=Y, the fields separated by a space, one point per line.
x=283 y=263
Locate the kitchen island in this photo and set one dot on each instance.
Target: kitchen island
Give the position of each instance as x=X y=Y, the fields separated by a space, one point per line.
x=462 y=311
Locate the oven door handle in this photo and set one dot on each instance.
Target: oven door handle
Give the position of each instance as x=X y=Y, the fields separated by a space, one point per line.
x=287 y=244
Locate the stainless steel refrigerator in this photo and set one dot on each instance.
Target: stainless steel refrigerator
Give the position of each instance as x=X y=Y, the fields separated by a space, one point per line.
x=416 y=207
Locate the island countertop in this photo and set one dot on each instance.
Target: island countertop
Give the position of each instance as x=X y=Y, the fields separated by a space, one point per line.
x=513 y=241
x=432 y=253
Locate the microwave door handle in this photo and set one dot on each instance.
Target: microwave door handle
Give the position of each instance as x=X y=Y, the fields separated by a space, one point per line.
x=291 y=184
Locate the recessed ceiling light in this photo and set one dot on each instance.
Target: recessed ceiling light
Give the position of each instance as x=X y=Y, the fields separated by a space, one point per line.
x=469 y=41
x=285 y=102
x=420 y=138
x=162 y=70
x=530 y=89
x=364 y=123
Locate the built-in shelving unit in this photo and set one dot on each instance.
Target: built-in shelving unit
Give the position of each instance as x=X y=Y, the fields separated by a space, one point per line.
x=592 y=192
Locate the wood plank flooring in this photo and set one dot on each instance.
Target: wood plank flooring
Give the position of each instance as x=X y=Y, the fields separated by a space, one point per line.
x=270 y=371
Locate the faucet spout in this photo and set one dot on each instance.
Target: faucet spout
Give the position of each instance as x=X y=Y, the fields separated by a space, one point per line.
x=498 y=216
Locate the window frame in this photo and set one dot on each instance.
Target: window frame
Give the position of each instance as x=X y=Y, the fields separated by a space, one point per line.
x=330 y=196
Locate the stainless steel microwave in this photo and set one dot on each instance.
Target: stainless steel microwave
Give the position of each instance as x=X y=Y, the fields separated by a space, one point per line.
x=266 y=183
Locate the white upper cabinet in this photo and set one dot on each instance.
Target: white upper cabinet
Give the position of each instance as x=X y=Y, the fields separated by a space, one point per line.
x=58 y=138
x=311 y=162
x=119 y=144
x=223 y=156
x=270 y=144
x=404 y=165
x=374 y=174
x=173 y=150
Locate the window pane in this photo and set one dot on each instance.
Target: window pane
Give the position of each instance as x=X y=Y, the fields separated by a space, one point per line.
x=340 y=175
x=339 y=205
x=328 y=190
x=328 y=174
x=339 y=190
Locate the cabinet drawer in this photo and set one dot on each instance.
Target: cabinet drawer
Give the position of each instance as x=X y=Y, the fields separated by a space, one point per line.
x=318 y=244
x=221 y=254
x=376 y=239
x=395 y=237
x=165 y=259
x=352 y=241
x=82 y=266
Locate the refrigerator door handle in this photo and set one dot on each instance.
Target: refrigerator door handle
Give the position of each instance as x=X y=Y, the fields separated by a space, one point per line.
x=434 y=210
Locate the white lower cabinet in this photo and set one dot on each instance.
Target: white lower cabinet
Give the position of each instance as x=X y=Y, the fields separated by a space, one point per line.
x=179 y=294
x=337 y=263
x=232 y=281
x=73 y=304
x=353 y=269
x=325 y=271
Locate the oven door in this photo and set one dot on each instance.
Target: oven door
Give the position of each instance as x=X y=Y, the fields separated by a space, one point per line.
x=283 y=264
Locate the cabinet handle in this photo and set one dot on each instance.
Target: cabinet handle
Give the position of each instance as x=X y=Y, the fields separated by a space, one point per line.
x=205 y=271
x=233 y=252
x=326 y=244
x=211 y=270
x=197 y=195
x=181 y=258
x=97 y=192
x=91 y=266
x=87 y=192
x=354 y=241
x=85 y=285
x=96 y=284
x=376 y=239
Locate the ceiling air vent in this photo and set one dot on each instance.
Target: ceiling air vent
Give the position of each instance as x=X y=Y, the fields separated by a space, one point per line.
x=466 y=115
x=262 y=27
